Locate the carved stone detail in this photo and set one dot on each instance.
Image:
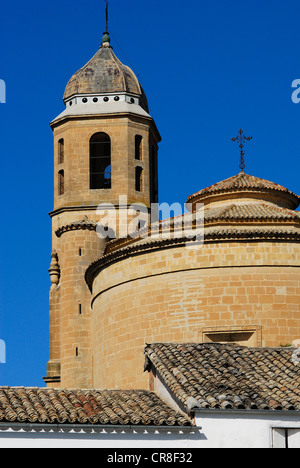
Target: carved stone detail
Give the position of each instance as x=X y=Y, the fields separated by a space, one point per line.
x=54 y=270
x=85 y=223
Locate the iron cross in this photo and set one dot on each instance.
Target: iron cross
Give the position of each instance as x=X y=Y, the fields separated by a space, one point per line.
x=241 y=139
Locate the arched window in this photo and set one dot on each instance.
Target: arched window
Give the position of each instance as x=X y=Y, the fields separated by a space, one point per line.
x=61 y=182
x=138 y=147
x=61 y=151
x=139 y=179
x=100 y=161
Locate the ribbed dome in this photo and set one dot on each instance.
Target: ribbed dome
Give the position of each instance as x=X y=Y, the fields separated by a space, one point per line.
x=104 y=73
x=245 y=185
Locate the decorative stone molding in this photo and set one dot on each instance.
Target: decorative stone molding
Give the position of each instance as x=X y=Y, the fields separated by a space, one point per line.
x=54 y=270
x=212 y=235
x=53 y=372
x=244 y=335
x=84 y=224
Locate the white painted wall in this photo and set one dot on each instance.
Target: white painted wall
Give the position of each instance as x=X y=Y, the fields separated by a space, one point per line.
x=25 y=437
x=215 y=429
x=238 y=429
x=247 y=429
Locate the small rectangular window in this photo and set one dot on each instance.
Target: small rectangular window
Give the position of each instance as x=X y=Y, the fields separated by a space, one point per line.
x=61 y=151
x=243 y=335
x=153 y=175
x=138 y=147
x=286 y=437
x=139 y=179
x=61 y=182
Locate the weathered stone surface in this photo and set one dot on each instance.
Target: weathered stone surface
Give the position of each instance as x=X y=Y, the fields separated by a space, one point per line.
x=104 y=73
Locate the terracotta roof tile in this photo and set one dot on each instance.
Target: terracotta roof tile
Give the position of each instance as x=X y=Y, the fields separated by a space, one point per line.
x=107 y=407
x=228 y=376
x=251 y=211
x=244 y=214
x=242 y=181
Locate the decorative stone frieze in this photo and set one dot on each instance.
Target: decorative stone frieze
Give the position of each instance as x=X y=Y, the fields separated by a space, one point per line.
x=85 y=223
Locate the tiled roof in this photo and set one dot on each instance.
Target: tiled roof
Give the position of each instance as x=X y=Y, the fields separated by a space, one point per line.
x=242 y=181
x=228 y=376
x=107 y=407
x=251 y=211
x=252 y=233
x=244 y=213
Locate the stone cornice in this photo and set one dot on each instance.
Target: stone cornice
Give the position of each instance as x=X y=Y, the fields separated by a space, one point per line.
x=213 y=235
x=64 y=209
x=84 y=224
x=69 y=118
x=76 y=208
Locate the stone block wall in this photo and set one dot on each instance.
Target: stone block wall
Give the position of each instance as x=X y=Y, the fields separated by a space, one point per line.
x=248 y=290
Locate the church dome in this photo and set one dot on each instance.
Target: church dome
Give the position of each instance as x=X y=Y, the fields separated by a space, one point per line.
x=243 y=188
x=105 y=74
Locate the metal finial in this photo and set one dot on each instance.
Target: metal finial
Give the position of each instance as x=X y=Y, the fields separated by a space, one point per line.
x=241 y=139
x=106 y=13
x=106 y=38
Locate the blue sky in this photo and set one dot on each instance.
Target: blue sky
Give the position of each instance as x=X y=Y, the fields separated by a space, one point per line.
x=208 y=69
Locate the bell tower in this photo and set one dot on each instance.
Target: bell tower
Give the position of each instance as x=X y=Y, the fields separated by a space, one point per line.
x=105 y=148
